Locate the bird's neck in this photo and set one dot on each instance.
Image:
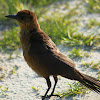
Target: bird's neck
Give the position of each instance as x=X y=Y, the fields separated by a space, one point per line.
x=33 y=25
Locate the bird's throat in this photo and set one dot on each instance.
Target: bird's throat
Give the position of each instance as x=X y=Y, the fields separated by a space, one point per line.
x=28 y=26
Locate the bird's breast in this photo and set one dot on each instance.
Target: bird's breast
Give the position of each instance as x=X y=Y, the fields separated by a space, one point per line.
x=32 y=60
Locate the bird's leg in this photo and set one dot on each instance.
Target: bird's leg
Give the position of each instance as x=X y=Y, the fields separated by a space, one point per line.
x=56 y=80
x=49 y=86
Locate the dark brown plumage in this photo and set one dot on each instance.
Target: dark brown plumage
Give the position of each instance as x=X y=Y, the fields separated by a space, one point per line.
x=42 y=55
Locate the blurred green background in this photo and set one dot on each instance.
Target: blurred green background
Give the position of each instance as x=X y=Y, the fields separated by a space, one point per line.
x=61 y=27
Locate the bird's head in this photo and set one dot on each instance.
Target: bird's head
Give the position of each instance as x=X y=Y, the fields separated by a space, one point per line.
x=26 y=19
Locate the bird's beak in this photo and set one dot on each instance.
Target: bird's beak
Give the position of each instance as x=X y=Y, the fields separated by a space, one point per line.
x=13 y=17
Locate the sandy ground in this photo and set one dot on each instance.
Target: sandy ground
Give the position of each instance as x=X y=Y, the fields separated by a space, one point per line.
x=20 y=79
x=21 y=82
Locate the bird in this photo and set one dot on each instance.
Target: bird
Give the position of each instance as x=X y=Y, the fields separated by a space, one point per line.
x=43 y=56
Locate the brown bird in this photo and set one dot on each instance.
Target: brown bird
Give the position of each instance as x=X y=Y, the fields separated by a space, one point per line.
x=42 y=55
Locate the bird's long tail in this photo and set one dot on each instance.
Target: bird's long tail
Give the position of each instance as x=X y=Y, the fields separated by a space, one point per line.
x=90 y=82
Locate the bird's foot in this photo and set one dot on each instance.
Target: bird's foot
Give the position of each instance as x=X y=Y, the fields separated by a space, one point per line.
x=48 y=96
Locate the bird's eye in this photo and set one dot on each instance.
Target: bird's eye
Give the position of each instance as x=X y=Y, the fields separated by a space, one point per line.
x=22 y=17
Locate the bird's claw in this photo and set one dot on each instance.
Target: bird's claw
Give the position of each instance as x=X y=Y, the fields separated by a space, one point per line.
x=48 y=96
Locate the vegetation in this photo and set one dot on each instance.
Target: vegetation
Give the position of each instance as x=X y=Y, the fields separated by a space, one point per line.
x=80 y=39
x=57 y=27
x=93 y=6
x=78 y=53
x=10 y=39
x=3 y=90
x=35 y=88
x=92 y=23
x=13 y=6
x=2 y=75
x=62 y=29
x=93 y=65
x=75 y=88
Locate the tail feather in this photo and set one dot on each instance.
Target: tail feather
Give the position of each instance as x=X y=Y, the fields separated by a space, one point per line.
x=88 y=81
x=91 y=83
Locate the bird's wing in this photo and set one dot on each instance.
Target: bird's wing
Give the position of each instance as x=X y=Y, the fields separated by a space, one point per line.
x=46 y=52
x=41 y=43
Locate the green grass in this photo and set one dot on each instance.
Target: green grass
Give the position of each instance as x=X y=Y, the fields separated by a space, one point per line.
x=8 y=7
x=10 y=39
x=35 y=88
x=93 y=6
x=92 y=23
x=13 y=6
x=4 y=90
x=77 y=52
x=93 y=65
x=12 y=71
x=75 y=88
x=37 y=3
x=56 y=27
x=61 y=29
x=2 y=75
x=80 y=39
x=4 y=72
